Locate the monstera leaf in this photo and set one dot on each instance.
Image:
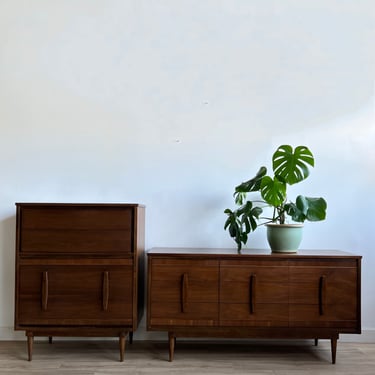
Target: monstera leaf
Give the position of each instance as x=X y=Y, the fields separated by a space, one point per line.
x=242 y=221
x=251 y=185
x=307 y=208
x=273 y=191
x=292 y=166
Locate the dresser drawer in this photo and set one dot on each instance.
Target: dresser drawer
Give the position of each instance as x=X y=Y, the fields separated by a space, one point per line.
x=332 y=316
x=192 y=314
x=183 y=292
x=254 y=293
x=75 y=229
x=261 y=315
x=170 y=277
x=74 y=295
x=333 y=285
x=263 y=283
x=324 y=294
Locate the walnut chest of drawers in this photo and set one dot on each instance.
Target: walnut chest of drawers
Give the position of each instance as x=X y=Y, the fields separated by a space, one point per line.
x=255 y=294
x=79 y=270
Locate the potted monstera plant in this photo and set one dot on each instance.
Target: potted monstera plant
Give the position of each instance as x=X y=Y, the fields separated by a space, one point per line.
x=285 y=221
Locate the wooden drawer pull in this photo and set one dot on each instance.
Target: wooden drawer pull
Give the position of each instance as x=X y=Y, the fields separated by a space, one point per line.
x=105 y=290
x=184 y=292
x=322 y=288
x=252 y=293
x=44 y=290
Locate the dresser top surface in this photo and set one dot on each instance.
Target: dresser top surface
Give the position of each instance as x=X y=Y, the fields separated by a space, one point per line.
x=246 y=253
x=46 y=205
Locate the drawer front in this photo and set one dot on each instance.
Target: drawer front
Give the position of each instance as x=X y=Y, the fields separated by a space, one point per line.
x=333 y=316
x=269 y=284
x=262 y=315
x=254 y=294
x=324 y=296
x=338 y=285
x=193 y=314
x=183 y=292
x=71 y=229
x=74 y=295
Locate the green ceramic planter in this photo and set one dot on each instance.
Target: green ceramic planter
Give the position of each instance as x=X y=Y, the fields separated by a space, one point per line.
x=284 y=238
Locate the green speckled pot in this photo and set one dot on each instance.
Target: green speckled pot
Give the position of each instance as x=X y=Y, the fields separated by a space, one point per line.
x=284 y=238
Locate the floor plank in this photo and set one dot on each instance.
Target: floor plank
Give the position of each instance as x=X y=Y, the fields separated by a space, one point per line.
x=90 y=357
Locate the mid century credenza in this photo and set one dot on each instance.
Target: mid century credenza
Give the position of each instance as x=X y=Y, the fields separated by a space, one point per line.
x=196 y=292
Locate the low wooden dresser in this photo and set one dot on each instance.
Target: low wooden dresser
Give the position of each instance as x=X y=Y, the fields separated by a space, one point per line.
x=195 y=292
x=79 y=270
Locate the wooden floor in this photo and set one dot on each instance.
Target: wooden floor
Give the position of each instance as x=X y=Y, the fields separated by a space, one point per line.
x=92 y=357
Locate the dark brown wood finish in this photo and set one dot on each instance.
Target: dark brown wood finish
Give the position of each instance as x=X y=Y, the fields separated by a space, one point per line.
x=196 y=292
x=79 y=270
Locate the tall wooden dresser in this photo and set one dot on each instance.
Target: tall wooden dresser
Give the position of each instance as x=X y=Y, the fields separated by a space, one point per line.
x=256 y=294
x=79 y=270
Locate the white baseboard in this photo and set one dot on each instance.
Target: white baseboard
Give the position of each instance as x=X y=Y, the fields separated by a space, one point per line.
x=9 y=334
x=367 y=336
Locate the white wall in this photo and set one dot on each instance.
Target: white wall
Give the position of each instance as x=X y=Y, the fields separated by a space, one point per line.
x=172 y=103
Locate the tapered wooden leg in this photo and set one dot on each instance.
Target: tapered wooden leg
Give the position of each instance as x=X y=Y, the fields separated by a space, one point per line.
x=333 y=349
x=172 y=341
x=316 y=342
x=30 y=341
x=122 y=346
x=50 y=339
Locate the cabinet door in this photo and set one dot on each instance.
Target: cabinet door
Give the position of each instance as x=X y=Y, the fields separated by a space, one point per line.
x=324 y=294
x=74 y=295
x=183 y=292
x=253 y=293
